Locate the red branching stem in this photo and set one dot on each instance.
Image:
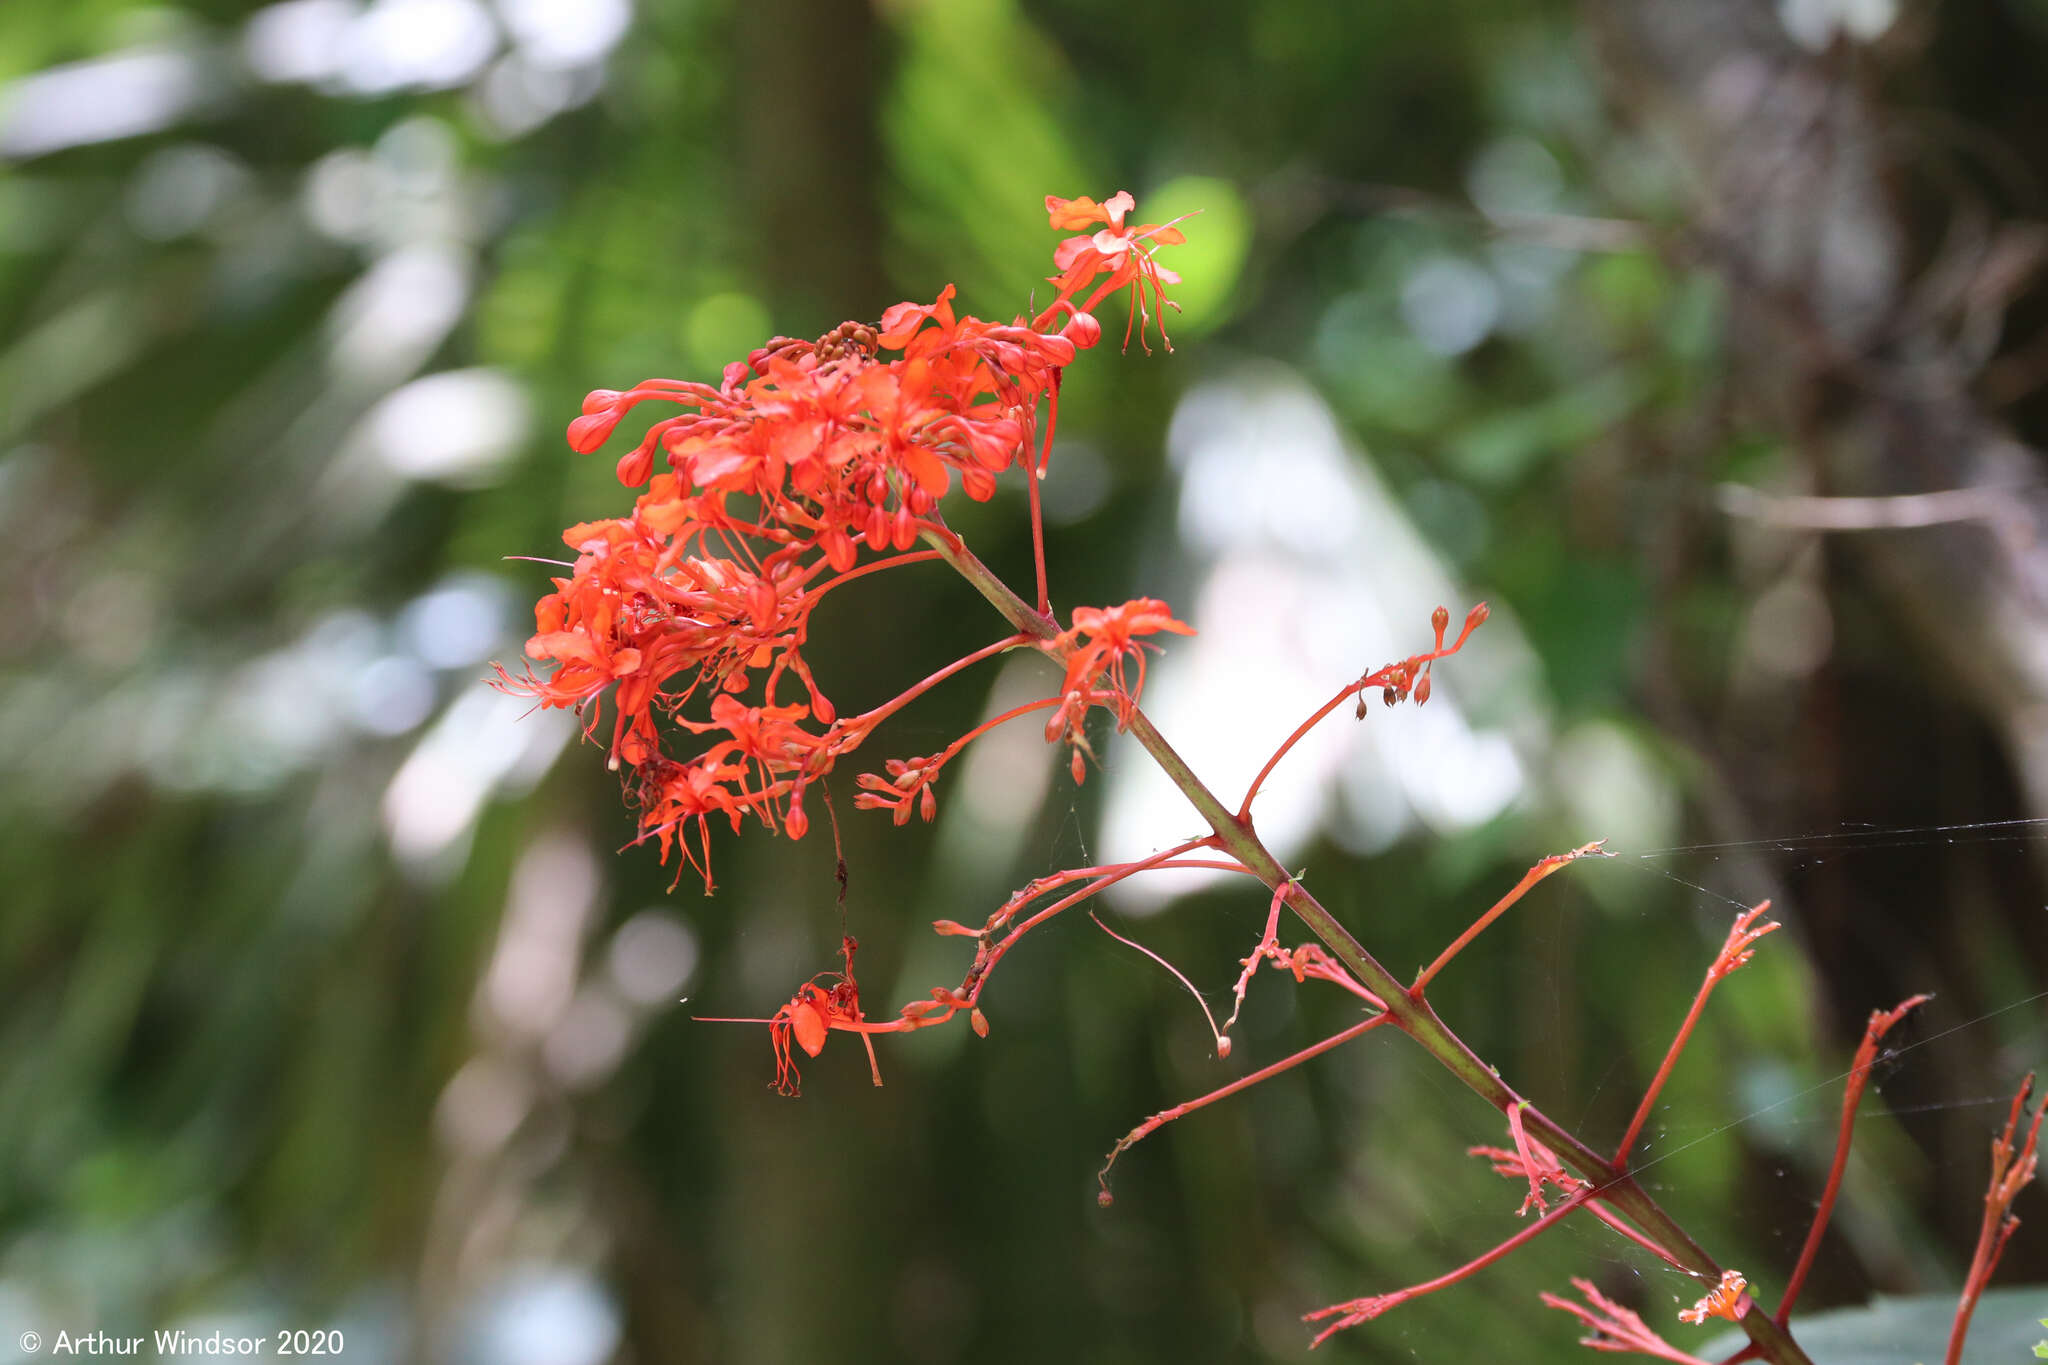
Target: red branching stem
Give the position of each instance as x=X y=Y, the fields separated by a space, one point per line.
x=1881 y=1022
x=2010 y=1173
x=1234 y=834
x=1166 y=1116
x=985 y=962
x=1734 y=952
x=1520 y=889
x=870 y=719
x=1355 y=1311
x=1405 y=670
x=1244 y=808
x=872 y=566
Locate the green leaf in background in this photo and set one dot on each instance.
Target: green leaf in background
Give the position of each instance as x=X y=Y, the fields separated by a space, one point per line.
x=1909 y=1331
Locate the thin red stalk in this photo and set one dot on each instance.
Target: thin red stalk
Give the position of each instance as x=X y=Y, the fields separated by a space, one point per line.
x=1521 y=888
x=993 y=722
x=1880 y=1023
x=1445 y=1281
x=984 y=966
x=1244 y=808
x=1628 y=1230
x=1166 y=1116
x=2008 y=1177
x=1033 y=475
x=1222 y=1048
x=870 y=719
x=873 y=566
x=1373 y=679
x=1642 y=1115
x=1731 y=956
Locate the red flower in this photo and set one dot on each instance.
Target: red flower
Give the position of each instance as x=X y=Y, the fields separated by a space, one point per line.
x=1102 y=638
x=1125 y=253
x=802 y=460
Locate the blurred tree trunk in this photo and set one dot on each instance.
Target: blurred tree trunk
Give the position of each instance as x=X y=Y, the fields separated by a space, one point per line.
x=810 y=159
x=1876 y=249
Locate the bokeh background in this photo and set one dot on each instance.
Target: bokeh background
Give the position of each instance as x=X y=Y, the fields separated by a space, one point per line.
x=1707 y=341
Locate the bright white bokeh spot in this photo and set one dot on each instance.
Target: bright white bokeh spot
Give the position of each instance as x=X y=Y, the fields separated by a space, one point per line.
x=393 y=317
x=485 y=743
x=392 y=695
x=652 y=958
x=458 y=427
x=1450 y=304
x=482 y=1105
x=176 y=190
x=98 y=101
x=340 y=195
x=553 y=1315
x=586 y=1046
x=1317 y=576
x=1514 y=174
x=1614 y=788
x=553 y=34
x=457 y=624
x=517 y=97
x=299 y=40
x=533 y=971
x=1813 y=24
x=416 y=45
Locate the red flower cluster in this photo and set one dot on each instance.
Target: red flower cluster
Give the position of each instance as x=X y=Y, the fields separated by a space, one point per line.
x=803 y=457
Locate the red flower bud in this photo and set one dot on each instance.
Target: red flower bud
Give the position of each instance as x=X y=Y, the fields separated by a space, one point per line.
x=1083 y=330
x=592 y=430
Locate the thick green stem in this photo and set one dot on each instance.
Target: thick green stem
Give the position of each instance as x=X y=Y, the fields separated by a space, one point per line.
x=1411 y=1012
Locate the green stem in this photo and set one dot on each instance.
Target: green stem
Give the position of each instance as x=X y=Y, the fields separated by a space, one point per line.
x=1411 y=1012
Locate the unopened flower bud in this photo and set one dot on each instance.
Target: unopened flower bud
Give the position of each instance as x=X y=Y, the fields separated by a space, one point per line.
x=980 y=1022
x=1477 y=616
x=592 y=430
x=1422 y=689
x=927 y=805
x=796 y=822
x=1083 y=330
x=1078 y=768
x=1104 y=1199
x=1222 y=1046
x=1441 y=619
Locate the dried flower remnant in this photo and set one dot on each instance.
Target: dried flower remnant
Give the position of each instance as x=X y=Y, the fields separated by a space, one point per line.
x=1729 y=1299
